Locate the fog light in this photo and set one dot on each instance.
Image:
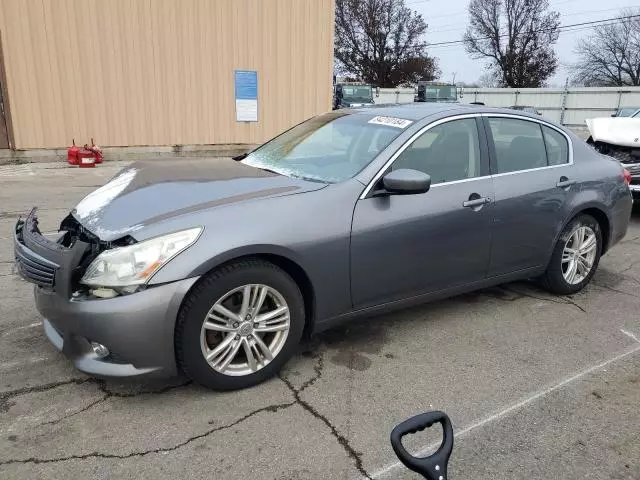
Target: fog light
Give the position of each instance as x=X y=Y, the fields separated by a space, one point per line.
x=100 y=350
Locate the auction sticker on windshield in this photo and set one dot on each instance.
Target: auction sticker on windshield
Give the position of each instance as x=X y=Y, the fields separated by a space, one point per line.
x=391 y=122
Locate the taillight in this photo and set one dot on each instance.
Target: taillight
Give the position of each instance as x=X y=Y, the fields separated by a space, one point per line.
x=627 y=176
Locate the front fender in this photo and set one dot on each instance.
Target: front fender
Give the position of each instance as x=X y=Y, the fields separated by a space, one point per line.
x=245 y=251
x=311 y=230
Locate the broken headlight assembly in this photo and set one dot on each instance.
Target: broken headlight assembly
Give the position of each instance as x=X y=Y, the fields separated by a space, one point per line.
x=126 y=268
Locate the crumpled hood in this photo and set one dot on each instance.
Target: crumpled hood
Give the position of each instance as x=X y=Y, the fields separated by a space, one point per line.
x=152 y=191
x=623 y=131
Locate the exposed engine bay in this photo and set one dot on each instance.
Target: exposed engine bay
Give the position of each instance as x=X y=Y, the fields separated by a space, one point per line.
x=618 y=137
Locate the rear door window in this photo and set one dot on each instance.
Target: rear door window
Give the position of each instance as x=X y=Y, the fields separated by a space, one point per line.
x=519 y=144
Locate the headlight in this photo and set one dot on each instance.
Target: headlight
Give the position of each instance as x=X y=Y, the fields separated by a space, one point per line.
x=136 y=264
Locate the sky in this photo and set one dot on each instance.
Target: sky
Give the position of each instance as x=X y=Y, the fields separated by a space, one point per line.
x=447 y=20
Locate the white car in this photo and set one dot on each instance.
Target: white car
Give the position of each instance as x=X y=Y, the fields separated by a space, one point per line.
x=619 y=137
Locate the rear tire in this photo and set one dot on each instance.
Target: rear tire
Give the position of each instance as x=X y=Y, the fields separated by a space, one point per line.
x=250 y=364
x=564 y=262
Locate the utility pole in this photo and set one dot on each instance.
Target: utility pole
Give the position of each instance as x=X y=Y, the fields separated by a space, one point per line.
x=453 y=82
x=563 y=108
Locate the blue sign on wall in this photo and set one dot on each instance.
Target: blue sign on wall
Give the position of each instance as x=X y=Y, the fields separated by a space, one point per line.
x=246 y=85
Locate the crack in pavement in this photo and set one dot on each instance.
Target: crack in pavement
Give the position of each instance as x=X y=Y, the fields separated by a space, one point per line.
x=628 y=276
x=317 y=368
x=631 y=240
x=6 y=396
x=270 y=409
x=102 y=386
x=342 y=440
x=607 y=287
x=569 y=300
x=77 y=412
x=631 y=265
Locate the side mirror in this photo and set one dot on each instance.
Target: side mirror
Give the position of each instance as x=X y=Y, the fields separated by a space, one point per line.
x=406 y=181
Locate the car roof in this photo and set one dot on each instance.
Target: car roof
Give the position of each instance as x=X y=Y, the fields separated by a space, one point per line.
x=420 y=110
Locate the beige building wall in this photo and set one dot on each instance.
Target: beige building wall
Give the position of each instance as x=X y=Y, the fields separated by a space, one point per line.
x=161 y=72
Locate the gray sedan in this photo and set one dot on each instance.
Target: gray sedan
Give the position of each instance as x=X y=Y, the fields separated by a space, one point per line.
x=218 y=268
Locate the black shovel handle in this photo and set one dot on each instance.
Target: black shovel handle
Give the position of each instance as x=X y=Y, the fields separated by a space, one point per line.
x=433 y=467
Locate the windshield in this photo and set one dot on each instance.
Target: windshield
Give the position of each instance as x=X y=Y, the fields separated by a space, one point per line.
x=357 y=93
x=627 y=112
x=433 y=92
x=329 y=148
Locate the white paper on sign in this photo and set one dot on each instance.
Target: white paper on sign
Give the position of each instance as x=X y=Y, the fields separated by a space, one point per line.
x=391 y=122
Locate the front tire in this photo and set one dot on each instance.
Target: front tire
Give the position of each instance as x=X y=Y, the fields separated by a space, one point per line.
x=575 y=257
x=239 y=325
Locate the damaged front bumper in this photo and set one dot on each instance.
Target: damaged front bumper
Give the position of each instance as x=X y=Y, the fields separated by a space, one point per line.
x=634 y=186
x=137 y=329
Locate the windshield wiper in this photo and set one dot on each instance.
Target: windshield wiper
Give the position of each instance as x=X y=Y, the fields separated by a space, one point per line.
x=237 y=158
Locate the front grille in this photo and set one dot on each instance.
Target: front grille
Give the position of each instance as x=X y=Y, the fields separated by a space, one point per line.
x=50 y=264
x=35 y=268
x=633 y=169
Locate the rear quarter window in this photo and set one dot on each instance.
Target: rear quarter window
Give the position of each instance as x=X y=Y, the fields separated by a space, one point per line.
x=557 y=146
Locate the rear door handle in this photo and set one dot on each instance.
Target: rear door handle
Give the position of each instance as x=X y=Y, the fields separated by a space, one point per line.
x=476 y=202
x=564 y=182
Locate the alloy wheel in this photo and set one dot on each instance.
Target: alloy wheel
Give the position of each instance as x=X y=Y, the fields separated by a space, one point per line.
x=245 y=329
x=579 y=254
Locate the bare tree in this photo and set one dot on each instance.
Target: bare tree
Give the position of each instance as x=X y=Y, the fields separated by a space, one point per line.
x=517 y=36
x=381 y=42
x=489 y=79
x=610 y=56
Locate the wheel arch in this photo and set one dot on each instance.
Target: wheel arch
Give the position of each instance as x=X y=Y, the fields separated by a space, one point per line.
x=284 y=259
x=599 y=214
x=605 y=225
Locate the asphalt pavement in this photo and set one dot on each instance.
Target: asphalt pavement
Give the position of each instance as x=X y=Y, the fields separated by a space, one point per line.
x=537 y=386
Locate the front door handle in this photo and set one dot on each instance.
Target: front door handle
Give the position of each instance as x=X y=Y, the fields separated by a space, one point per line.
x=564 y=182
x=476 y=202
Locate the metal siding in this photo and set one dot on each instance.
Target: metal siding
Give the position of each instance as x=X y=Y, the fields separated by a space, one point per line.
x=581 y=103
x=161 y=72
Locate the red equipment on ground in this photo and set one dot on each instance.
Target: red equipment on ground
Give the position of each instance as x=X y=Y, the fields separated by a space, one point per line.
x=85 y=157
x=96 y=150
x=72 y=154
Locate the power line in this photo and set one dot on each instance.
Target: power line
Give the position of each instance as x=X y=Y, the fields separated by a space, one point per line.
x=560 y=28
x=464 y=12
x=458 y=26
x=568 y=30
